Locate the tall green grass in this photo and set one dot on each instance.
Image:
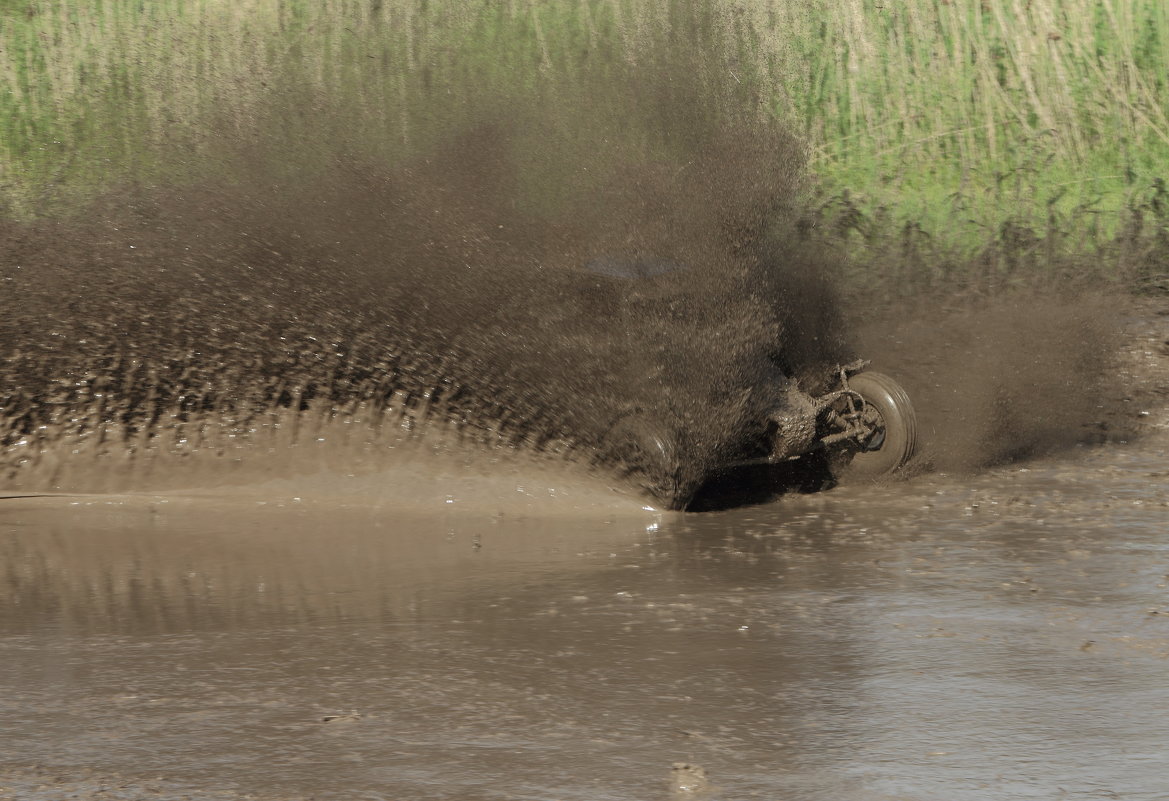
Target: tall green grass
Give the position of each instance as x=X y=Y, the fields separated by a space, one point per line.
x=951 y=121
x=964 y=117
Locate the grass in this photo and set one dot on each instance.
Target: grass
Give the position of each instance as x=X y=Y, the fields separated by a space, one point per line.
x=968 y=119
x=959 y=126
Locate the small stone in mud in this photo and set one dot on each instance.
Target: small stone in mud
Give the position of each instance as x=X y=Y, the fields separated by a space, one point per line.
x=344 y=718
x=689 y=781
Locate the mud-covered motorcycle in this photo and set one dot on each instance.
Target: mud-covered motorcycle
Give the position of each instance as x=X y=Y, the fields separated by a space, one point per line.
x=857 y=422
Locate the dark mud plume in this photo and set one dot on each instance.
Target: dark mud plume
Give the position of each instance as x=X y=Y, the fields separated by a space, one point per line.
x=523 y=271
x=1007 y=378
x=522 y=279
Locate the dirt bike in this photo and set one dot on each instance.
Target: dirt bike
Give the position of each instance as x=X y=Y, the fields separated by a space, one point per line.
x=858 y=423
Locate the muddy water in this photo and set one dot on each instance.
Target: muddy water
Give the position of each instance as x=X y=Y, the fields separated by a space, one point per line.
x=1005 y=637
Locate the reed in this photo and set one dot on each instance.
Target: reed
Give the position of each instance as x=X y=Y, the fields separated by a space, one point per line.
x=950 y=111
x=953 y=117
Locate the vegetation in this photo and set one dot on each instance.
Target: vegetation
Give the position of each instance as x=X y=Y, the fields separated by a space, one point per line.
x=1001 y=133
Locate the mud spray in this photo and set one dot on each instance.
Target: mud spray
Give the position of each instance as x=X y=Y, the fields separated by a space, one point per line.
x=306 y=305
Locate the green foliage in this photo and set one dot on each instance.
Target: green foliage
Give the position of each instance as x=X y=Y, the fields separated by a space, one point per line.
x=961 y=116
x=954 y=120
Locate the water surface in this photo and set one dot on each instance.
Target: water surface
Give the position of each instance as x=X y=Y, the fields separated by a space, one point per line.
x=1004 y=636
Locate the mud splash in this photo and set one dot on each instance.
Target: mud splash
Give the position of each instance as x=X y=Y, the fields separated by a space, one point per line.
x=453 y=289
x=477 y=289
x=1010 y=378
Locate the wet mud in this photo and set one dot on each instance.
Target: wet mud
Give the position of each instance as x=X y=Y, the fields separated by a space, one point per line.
x=961 y=634
x=1003 y=635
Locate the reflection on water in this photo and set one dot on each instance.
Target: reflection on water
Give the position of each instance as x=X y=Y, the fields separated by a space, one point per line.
x=1006 y=637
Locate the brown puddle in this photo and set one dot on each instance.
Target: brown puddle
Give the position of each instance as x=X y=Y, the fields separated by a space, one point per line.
x=1004 y=636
